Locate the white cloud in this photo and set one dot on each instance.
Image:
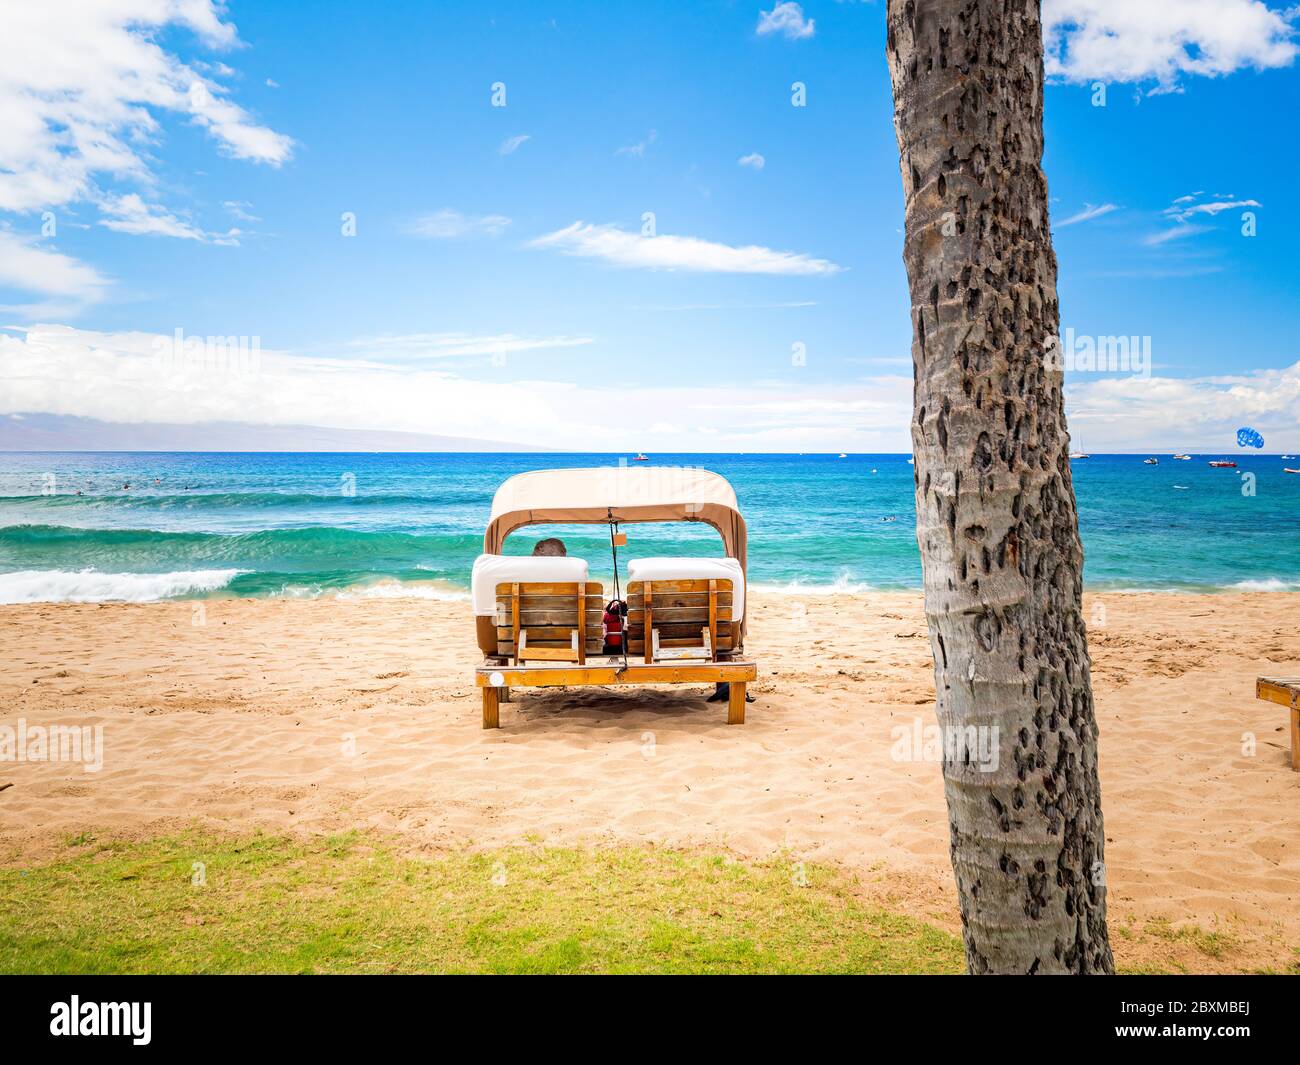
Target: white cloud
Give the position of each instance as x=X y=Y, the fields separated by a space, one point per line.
x=753 y=160
x=787 y=19
x=448 y=223
x=83 y=86
x=1178 y=232
x=1159 y=40
x=1183 y=209
x=130 y=214
x=1185 y=414
x=1088 y=213
x=780 y=305
x=229 y=124
x=637 y=150
x=241 y=209
x=416 y=346
x=27 y=266
x=115 y=377
x=511 y=144
x=666 y=252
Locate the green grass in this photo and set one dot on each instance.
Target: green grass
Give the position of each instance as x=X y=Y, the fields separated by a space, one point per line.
x=356 y=904
x=1212 y=944
x=1158 y=947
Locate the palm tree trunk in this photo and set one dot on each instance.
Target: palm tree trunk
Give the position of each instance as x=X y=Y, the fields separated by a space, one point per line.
x=996 y=518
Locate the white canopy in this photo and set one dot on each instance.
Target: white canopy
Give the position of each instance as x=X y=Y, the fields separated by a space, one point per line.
x=629 y=493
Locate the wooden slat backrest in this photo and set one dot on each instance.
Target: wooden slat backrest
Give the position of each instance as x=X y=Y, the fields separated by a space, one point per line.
x=713 y=618
x=549 y=620
x=514 y=618
x=649 y=593
x=580 y=605
x=680 y=610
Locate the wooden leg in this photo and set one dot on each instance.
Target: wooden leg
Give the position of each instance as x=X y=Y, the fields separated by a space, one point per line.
x=491 y=708
x=1295 y=738
x=505 y=695
x=736 y=703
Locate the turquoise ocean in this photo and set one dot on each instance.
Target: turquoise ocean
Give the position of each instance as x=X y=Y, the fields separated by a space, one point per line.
x=145 y=526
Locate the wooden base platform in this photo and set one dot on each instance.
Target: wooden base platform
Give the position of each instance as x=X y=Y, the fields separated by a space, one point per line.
x=1286 y=691
x=496 y=681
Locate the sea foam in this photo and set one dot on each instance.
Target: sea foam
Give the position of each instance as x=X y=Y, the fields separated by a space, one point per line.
x=92 y=586
x=400 y=590
x=1268 y=584
x=843 y=584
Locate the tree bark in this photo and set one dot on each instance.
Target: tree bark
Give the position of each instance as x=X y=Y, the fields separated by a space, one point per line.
x=996 y=517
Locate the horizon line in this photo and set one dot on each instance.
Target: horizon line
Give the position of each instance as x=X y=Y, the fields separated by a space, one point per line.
x=536 y=452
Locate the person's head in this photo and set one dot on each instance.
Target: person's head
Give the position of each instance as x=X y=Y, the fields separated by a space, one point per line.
x=552 y=546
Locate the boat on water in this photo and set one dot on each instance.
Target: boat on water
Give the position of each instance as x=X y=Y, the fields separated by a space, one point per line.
x=640 y=457
x=1288 y=469
x=1224 y=465
x=1151 y=462
x=1185 y=458
x=1079 y=455
x=843 y=455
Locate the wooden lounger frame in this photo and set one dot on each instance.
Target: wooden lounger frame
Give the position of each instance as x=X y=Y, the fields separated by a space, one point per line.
x=1286 y=691
x=549 y=635
x=496 y=681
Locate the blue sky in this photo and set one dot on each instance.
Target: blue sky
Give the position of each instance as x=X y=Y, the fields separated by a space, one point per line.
x=499 y=284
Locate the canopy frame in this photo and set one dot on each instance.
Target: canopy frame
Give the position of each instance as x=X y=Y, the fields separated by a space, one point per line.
x=628 y=494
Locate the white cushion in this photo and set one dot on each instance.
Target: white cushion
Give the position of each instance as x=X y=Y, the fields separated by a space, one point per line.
x=491 y=570
x=692 y=569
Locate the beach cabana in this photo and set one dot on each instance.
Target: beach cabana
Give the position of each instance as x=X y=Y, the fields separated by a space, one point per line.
x=539 y=619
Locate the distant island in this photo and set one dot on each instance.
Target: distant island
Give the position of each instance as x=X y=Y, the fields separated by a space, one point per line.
x=60 y=432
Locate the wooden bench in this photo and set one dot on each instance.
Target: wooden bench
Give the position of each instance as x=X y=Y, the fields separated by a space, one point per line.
x=1284 y=690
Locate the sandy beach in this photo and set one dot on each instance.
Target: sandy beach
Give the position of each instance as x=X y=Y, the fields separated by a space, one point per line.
x=320 y=715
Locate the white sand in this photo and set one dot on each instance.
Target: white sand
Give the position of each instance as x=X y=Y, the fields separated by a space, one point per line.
x=324 y=714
